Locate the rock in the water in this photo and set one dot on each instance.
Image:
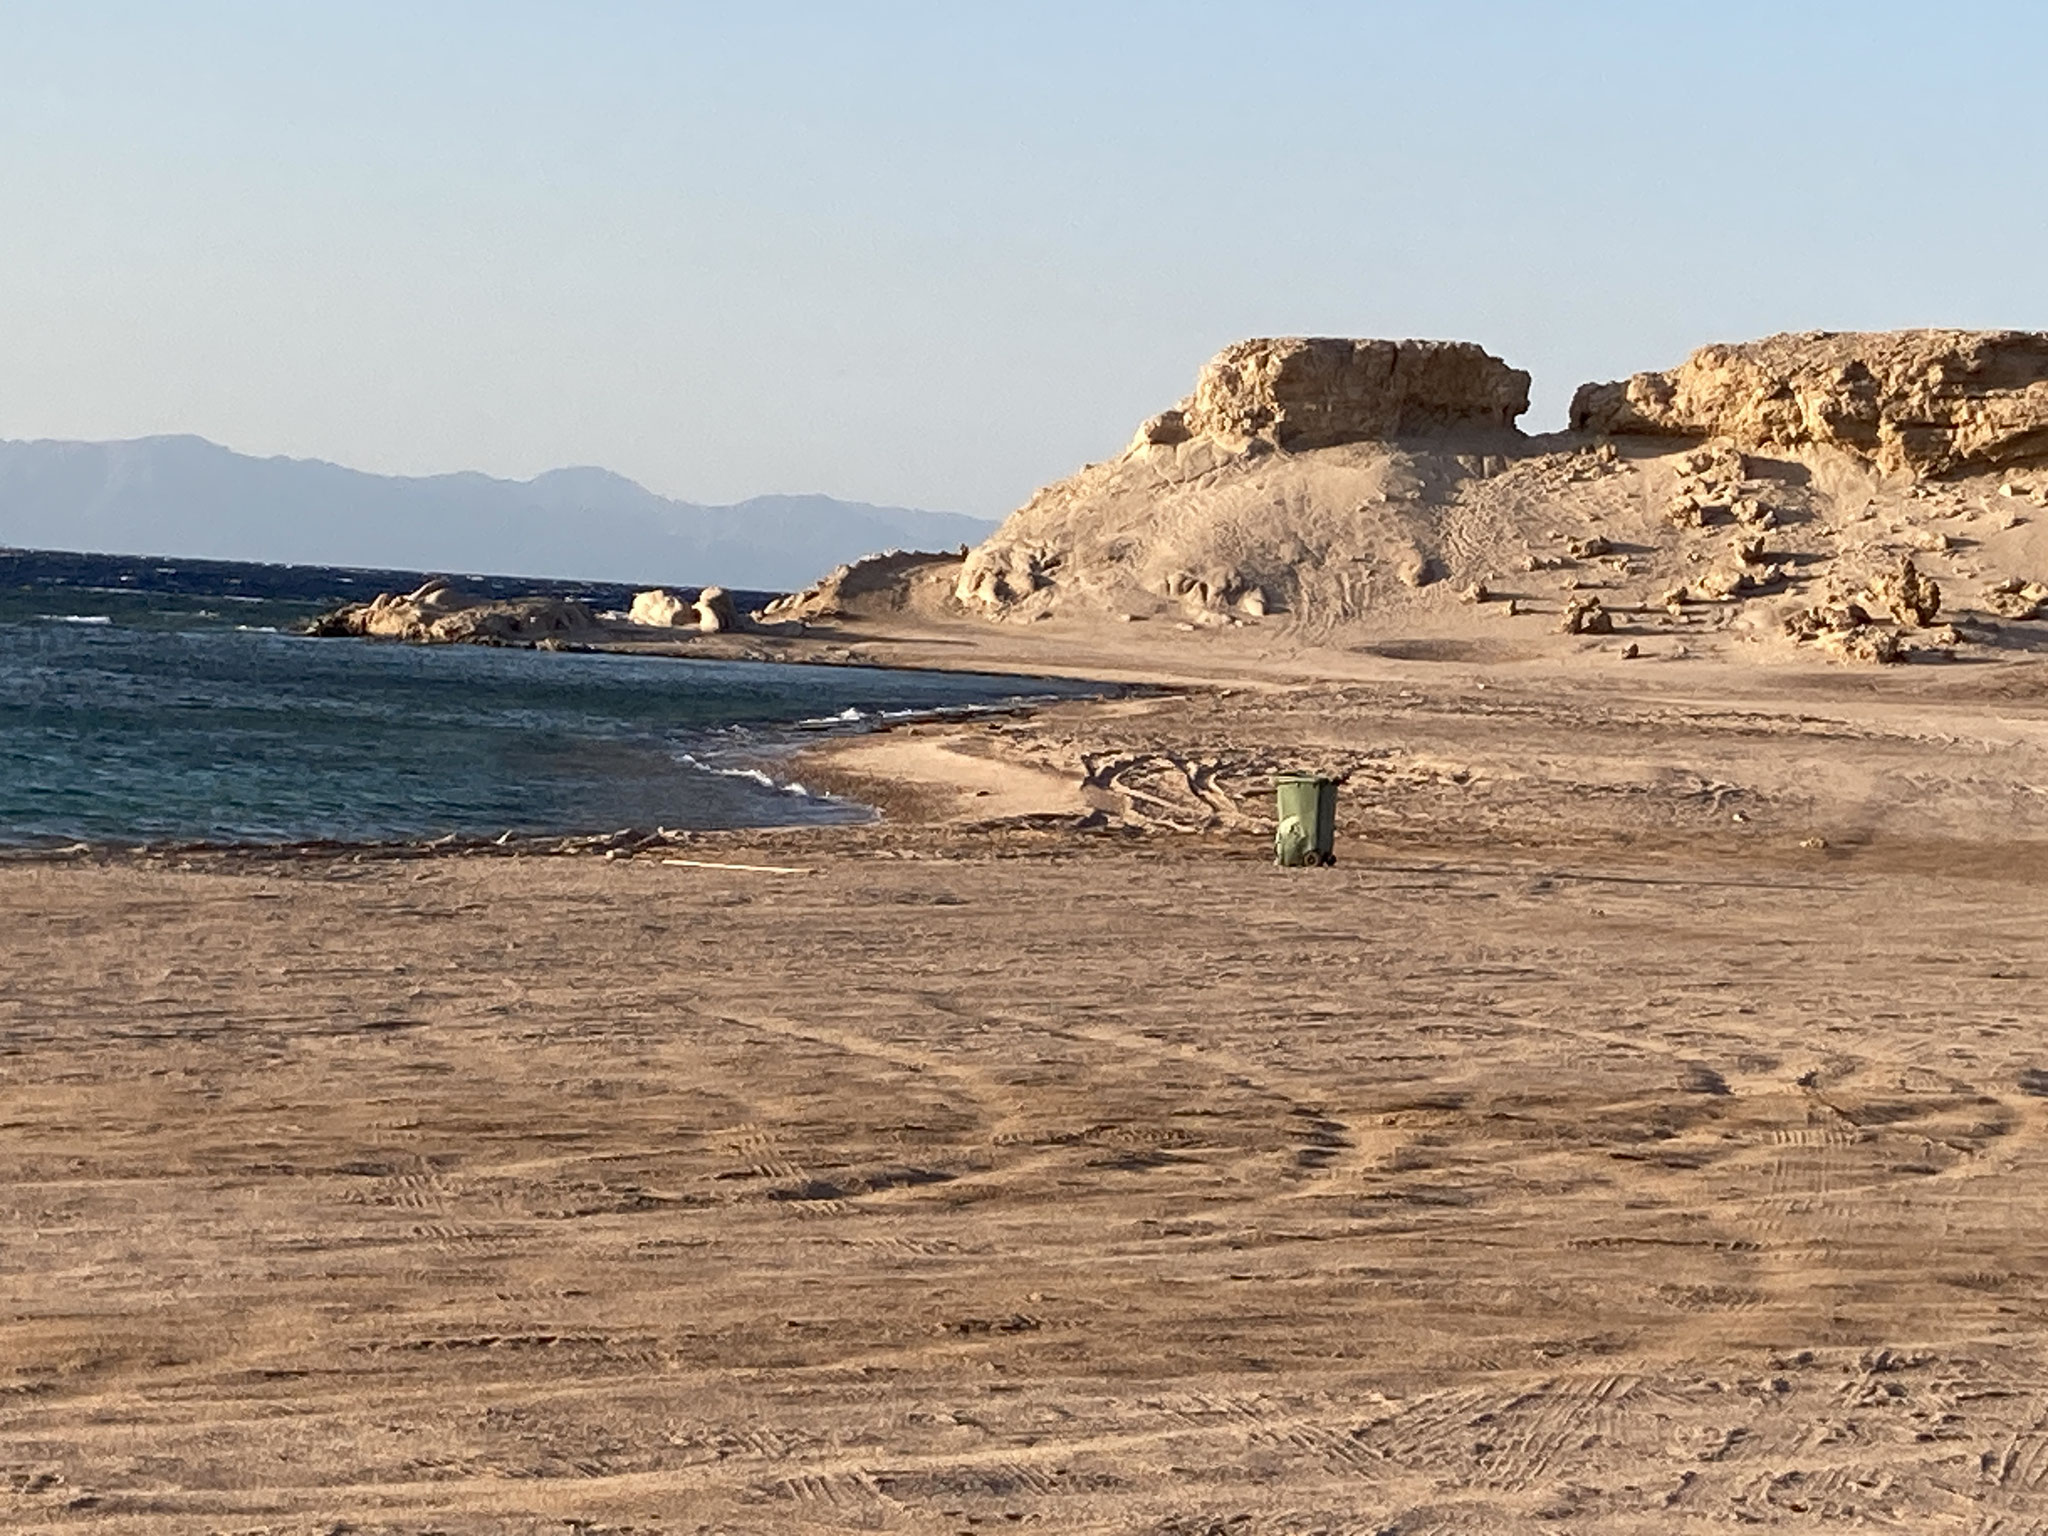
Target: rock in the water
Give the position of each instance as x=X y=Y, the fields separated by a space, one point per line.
x=439 y=595
x=397 y=615
x=1924 y=402
x=437 y=614
x=660 y=609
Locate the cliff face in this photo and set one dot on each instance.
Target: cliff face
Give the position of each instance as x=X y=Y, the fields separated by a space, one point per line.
x=1302 y=392
x=1909 y=402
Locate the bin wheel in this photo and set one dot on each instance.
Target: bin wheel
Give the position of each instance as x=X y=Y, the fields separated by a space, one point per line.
x=1325 y=859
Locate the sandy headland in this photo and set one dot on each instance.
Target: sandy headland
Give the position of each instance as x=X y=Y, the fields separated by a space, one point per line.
x=1641 y=1127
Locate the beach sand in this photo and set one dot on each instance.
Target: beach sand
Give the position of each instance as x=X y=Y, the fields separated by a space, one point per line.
x=1643 y=1127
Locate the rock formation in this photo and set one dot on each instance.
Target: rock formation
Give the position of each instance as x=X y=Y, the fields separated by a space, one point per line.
x=1301 y=392
x=1913 y=599
x=895 y=582
x=2014 y=598
x=715 y=614
x=437 y=613
x=1910 y=402
x=1827 y=491
x=1285 y=450
x=711 y=611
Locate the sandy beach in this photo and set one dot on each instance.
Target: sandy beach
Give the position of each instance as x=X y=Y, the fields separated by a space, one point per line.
x=1639 y=1128
x=929 y=770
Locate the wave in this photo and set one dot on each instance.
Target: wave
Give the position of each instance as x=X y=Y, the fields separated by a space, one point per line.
x=756 y=775
x=75 y=618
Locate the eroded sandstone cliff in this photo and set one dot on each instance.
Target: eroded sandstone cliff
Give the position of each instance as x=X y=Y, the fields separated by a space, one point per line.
x=1300 y=392
x=1924 y=402
x=1820 y=488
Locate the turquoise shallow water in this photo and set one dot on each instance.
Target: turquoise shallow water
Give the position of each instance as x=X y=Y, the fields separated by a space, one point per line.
x=130 y=716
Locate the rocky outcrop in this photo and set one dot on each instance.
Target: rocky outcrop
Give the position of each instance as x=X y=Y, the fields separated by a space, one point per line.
x=1302 y=392
x=1925 y=402
x=1913 y=599
x=1288 y=451
x=2015 y=598
x=437 y=613
x=895 y=582
x=710 y=612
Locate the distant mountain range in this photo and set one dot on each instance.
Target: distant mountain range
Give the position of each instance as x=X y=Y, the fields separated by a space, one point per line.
x=184 y=496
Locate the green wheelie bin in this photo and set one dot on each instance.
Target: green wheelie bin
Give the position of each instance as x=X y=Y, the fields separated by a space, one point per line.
x=1308 y=820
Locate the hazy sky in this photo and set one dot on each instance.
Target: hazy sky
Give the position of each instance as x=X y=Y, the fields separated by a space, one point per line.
x=937 y=254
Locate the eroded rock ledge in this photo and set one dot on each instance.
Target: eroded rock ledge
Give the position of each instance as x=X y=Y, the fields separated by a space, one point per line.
x=439 y=613
x=1300 y=392
x=1925 y=402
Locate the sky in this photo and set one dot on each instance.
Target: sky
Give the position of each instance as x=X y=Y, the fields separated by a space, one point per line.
x=936 y=255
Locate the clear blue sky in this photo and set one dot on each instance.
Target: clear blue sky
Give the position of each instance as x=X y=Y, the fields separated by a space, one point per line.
x=937 y=254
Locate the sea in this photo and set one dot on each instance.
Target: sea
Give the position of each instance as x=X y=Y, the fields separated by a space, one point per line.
x=150 y=701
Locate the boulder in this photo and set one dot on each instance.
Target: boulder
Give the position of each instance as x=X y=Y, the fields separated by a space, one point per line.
x=1870 y=643
x=1924 y=402
x=2014 y=598
x=1587 y=616
x=659 y=609
x=715 y=612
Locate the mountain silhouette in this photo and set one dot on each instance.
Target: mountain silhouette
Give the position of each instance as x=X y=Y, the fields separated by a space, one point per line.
x=185 y=496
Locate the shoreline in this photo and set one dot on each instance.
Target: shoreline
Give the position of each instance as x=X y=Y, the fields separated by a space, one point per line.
x=1658 y=1051
x=963 y=768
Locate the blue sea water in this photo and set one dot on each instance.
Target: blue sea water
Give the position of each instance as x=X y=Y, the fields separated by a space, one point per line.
x=168 y=701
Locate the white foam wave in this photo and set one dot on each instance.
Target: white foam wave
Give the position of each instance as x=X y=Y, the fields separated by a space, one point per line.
x=75 y=618
x=847 y=716
x=755 y=775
